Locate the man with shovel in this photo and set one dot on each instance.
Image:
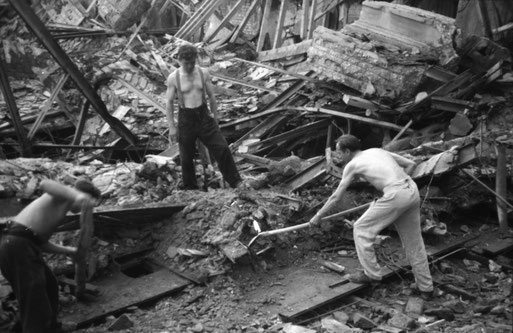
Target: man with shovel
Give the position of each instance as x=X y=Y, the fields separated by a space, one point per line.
x=399 y=205
x=24 y=239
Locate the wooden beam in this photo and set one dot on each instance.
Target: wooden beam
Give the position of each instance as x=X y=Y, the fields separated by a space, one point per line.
x=401 y=132
x=303 y=33
x=142 y=95
x=299 y=76
x=311 y=21
x=192 y=19
x=285 y=51
x=225 y=20
x=47 y=105
x=144 y=17
x=266 y=16
x=244 y=21
x=328 y=9
x=279 y=28
x=294 y=133
x=199 y=22
x=242 y=83
x=26 y=149
x=501 y=186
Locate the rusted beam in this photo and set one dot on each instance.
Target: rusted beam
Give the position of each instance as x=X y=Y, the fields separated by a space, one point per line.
x=26 y=149
x=39 y=30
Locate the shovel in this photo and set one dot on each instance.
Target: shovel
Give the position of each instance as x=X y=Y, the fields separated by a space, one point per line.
x=306 y=224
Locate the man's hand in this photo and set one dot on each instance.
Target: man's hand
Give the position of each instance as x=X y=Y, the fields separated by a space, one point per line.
x=315 y=220
x=84 y=200
x=172 y=134
x=71 y=251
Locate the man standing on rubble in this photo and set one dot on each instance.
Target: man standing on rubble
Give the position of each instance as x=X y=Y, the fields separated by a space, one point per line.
x=23 y=240
x=400 y=205
x=190 y=84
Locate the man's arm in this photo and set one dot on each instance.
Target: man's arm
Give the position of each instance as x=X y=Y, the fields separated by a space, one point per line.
x=336 y=197
x=170 y=108
x=209 y=87
x=63 y=192
x=59 y=249
x=405 y=163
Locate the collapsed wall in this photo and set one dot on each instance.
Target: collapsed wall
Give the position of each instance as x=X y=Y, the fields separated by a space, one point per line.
x=389 y=46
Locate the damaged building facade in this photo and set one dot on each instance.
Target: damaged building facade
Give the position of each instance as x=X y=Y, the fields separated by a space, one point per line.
x=83 y=94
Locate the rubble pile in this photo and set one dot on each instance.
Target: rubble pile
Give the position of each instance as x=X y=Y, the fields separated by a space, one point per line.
x=398 y=77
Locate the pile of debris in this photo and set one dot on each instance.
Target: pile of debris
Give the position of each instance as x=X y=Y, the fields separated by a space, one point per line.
x=398 y=77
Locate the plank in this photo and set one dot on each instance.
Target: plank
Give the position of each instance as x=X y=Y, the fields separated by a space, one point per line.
x=279 y=70
x=311 y=19
x=279 y=28
x=265 y=21
x=14 y=113
x=225 y=21
x=47 y=105
x=285 y=51
x=118 y=292
x=244 y=21
x=313 y=172
x=85 y=239
x=126 y=214
x=445 y=161
x=304 y=19
x=323 y=294
x=205 y=16
x=243 y=83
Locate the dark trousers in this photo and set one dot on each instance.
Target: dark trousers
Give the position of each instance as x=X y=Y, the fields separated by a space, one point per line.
x=198 y=124
x=33 y=283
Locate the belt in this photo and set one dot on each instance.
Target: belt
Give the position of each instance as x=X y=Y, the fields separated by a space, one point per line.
x=16 y=229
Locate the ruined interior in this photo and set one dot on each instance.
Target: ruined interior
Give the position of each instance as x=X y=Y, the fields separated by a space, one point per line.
x=83 y=94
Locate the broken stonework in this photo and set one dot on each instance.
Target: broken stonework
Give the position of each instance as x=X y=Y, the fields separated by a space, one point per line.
x=122 y=14
x=402 y=41
x=408 y=28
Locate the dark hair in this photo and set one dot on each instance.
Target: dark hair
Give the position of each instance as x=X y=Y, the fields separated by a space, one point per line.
x=348 y=141
x=87 y=186
x=187 y=52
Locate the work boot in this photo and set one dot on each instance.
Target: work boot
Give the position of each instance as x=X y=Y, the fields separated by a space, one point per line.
x=361 y=278
x=426 y=295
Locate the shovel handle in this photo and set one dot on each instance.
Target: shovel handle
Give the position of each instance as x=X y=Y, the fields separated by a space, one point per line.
x=306 y=224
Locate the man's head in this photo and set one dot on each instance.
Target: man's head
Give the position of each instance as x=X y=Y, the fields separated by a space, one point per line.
x=186 y=56
x=88 y=187
x=347 y=145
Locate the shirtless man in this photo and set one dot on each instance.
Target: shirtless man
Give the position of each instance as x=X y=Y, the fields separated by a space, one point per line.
x=25 y=238
x=400 y=205
x=189 y=84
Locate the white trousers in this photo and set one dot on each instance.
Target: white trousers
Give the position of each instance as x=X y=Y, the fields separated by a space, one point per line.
x=400 y=205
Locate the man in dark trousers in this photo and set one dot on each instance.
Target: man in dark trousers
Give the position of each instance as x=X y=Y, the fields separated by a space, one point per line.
x=399 y=205
x=191 y=84
x=24 y=239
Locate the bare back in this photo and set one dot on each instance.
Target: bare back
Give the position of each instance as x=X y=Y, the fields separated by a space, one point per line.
x=379 y=167
x=44 y=215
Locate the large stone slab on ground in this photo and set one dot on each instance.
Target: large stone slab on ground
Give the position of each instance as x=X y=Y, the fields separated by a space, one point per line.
x=389 y=48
